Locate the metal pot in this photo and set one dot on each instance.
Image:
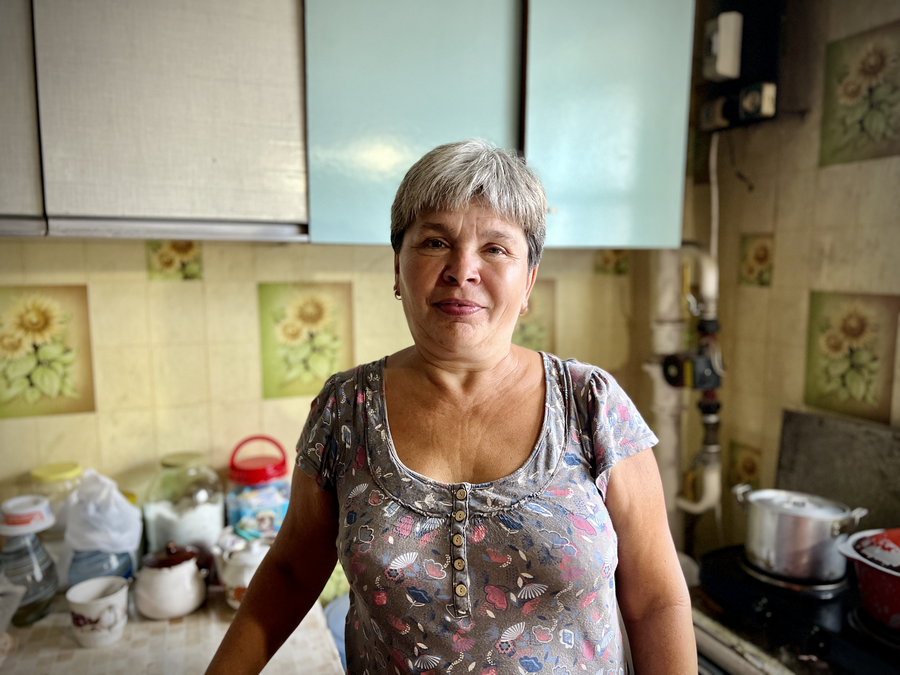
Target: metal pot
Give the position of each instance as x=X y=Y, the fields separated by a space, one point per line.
x=796 y=535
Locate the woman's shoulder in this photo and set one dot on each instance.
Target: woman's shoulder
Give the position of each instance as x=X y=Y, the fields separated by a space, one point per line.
x=582 y=375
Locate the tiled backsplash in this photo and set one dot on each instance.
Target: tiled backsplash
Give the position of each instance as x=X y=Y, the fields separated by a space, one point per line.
x=177 y=363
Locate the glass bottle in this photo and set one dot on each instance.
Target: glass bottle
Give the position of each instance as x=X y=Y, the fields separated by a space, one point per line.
x=26 y=563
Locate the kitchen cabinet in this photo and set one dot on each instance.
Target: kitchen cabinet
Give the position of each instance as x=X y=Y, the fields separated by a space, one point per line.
x=388 y=81
x=171 y=111
x=21 y=197
x=606 y=118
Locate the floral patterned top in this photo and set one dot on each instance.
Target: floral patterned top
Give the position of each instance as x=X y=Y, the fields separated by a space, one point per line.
x=511 y=576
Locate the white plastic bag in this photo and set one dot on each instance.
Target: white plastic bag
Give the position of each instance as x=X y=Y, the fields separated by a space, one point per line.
x=101 y=518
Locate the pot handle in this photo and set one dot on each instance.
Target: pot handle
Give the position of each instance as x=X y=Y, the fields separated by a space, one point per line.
x=849 y=523
x=739 y=492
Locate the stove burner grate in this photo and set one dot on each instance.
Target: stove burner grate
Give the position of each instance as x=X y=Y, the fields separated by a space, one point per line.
x=865 y=624
x=820 y=591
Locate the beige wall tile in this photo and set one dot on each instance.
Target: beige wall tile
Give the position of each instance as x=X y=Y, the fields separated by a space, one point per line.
x=127 y=440
x=69 y=438
x=180 y=375
x=12 y=262
x=228 y=261
x=880 y=192
x=119 y=313
x=848 y=17
x=283 y=418
x=235 y=372
x=786 y=374
x=837 y=197
x=790 y=267
x=379 y=325
x=788 y=317
x=758 y=213
x=182 y=429
x=18 y=446
x=794 y=205
x=230 y=423
x=752 y=319
x=748 y=417
x=281 y=262
x=878 y=267
x=177 y=312
x=54 y=262
x=330 y=260
x=124 y=378
x=116 y=261
x=834 y=254
x=746 y=367
x=232 y=312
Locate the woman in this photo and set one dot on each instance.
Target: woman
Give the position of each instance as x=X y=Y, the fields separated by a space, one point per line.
x=492 y=506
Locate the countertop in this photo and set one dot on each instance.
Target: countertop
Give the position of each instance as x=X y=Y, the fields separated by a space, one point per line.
x=182 y=646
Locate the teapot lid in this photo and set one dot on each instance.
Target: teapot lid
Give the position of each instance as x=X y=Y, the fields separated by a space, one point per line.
x=170 y=556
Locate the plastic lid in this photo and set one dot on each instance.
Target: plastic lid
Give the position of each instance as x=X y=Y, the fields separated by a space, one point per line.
x=259 y=468
x=54 y=473
x=178 y=460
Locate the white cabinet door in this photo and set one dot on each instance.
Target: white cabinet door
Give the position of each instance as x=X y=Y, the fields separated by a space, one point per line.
x=606 y=118
x=171 y=109
x=20 y=160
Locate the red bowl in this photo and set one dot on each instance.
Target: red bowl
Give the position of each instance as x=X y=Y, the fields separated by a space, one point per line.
x=876 y=558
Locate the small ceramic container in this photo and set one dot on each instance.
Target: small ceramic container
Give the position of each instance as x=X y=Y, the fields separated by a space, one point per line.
x=170 y=584
x=236 y=567
x=99 y=610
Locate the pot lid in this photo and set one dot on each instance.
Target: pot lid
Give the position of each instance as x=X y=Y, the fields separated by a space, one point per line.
x=170 y=556
x=789 y=502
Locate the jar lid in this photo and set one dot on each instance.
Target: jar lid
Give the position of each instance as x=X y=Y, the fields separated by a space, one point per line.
x=23 y=515
x=170 y=556
x=179 y=460
x=54 y=473
x=792 y=503
x=258 y=468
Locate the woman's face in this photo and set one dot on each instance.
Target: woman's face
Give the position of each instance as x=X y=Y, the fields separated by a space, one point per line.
x=463 y=278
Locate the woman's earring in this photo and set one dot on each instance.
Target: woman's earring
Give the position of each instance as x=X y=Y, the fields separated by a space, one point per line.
x=397 y=294
x=524 y=310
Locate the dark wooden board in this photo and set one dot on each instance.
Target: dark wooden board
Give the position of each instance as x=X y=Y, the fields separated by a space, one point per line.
x=854 y=462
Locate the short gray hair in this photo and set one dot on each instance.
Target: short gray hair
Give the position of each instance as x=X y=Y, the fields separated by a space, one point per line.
x=452 y=175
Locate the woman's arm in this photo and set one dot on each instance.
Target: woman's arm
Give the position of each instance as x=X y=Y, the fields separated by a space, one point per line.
x=652 y=594
x=287 y=583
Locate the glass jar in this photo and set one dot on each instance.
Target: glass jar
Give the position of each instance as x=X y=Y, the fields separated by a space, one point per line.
x=185 y=504
x=55 y=482
x=26 y=563
x=258 y=492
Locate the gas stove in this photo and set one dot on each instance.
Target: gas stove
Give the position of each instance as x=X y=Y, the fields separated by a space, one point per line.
x=809 y=628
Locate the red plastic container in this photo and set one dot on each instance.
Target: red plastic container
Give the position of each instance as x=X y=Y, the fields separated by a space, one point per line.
x=876 y=558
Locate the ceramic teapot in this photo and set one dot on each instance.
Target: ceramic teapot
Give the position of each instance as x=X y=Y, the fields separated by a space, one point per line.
x=170 y=583
x=236 y=567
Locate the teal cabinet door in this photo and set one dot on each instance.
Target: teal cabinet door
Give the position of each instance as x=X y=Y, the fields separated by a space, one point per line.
x=386 y=82
x=606 y=118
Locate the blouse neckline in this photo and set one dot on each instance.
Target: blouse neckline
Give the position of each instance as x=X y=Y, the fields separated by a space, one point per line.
x=434 y=498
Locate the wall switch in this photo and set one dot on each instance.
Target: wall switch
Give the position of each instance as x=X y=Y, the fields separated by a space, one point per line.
x=722 y=47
